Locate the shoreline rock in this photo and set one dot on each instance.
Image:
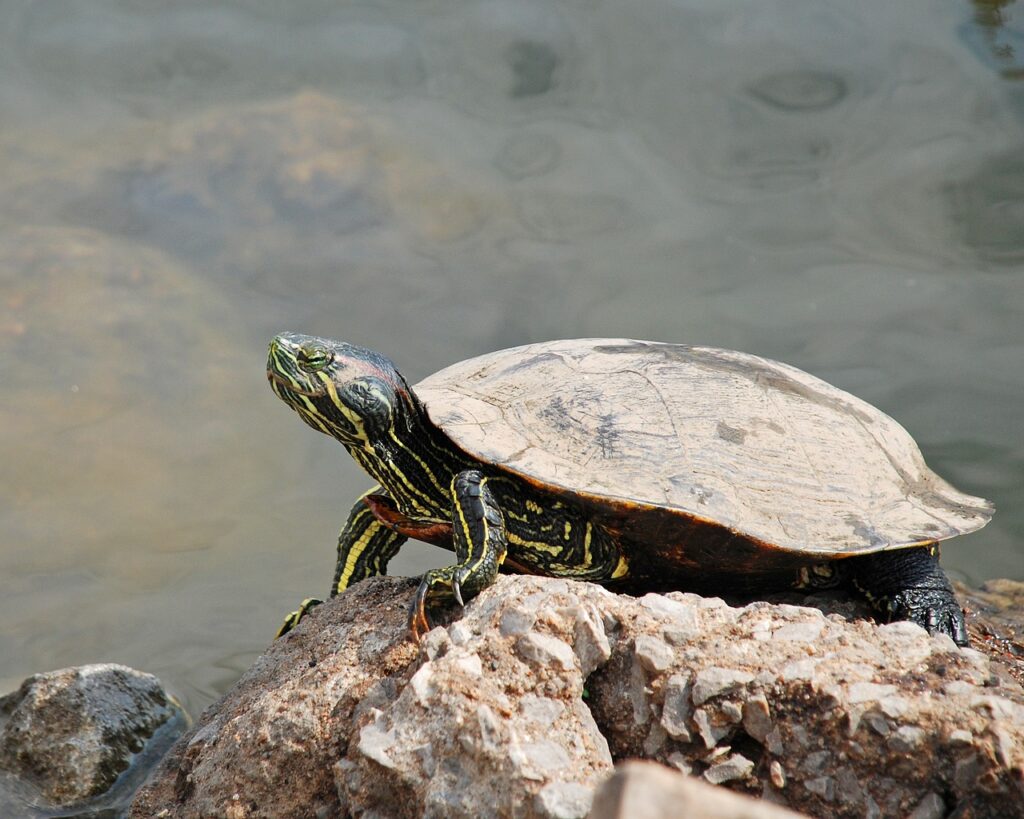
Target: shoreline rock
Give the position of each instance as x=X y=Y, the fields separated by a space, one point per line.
x=520 y=706
x=82 y=737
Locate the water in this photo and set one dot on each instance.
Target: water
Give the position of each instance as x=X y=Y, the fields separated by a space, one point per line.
x=836 y=185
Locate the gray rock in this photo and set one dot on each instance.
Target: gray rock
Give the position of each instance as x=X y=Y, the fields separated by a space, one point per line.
x=805 y=632
x=677 y=708
x=590 y=641
x=564 y=800
x=823 y=786
x=931 y=807
x=68 y=735
x=711 y=728
x=736 y=766
x=654 y=653
x=543 y=649
x=715 y=681
x=757 y=720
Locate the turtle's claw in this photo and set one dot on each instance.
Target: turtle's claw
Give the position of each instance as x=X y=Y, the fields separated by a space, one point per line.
x=419 y=623
x=292 y=620
x=936 y=611
x=457 y=590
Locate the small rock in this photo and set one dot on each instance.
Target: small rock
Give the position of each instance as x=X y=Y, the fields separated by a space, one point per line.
x=710 y=731
x=777 y=774
x=731 y=711
x=516 y=621
x=714 y=681
x=543 y=649
x=866 y=692
x=680 y=763
x=564 y=800
x=375 y=740
x=848 y=789
x=468 y=664
x=961 y=737
x=815 y=762
x=653 y=653
x=546 y=756
x=806 y=632
x=492 y=730
x=894 y=707
x=757 y=721
x=681 y=620
x=655 y=740
x=736 y=766
x=877 y=723
x=422 y=684
x=435 y=643
x=677 y=709
x=590 y=641
x=823 y=786
x=799 y=670
x=542 y=710
x=906 y=739
x=460 y=633
x=902 y=629
x=931 y=807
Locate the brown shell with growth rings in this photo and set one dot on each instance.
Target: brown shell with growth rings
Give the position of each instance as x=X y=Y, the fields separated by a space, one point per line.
x=760 y=452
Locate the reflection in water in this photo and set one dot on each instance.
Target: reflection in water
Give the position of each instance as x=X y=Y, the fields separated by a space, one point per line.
x=800 y=90
x=993 y=20
x=988 y=209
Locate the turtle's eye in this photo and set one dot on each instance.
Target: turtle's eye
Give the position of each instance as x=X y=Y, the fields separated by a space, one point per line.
x=314 y=357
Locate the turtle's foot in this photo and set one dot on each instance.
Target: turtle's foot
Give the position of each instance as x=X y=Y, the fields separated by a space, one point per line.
x=936 y=610
x=438 y=586
x=292 y=620
x=909 y=584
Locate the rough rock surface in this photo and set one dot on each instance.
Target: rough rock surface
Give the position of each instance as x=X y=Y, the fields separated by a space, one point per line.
x=515 y=705
x=646 y=790
x=68 y=735
x=995 y=620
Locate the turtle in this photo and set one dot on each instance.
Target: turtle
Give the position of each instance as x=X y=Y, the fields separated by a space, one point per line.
x=643 y=466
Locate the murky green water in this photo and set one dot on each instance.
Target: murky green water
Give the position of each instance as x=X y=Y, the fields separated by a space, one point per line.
x=837 y=185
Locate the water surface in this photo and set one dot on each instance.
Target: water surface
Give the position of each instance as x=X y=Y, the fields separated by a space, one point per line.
x=836 y=185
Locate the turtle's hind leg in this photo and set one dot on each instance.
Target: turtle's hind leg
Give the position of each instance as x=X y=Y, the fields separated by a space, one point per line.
x=909 y=584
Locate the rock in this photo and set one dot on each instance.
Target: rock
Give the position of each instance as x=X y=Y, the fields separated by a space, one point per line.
x=69 y=735
x=643 y=790
x=715 y=681
x=736 y=766
x=995 y=621
x=549 y=681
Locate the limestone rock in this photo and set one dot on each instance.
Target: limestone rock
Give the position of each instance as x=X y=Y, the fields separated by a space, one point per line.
x=519 y=706
x=68 y=735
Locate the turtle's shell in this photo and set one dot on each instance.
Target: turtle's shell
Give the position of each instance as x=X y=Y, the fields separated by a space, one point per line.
x=758 y=447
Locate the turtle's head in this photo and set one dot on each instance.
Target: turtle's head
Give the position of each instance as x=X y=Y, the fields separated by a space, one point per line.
x=348 y=392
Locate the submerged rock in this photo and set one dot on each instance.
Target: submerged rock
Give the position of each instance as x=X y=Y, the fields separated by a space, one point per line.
x=520 y=707
x=68 y=736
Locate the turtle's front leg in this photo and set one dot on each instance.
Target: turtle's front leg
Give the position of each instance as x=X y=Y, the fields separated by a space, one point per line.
x=478 y=534
x=909 y=584
x=365 y=546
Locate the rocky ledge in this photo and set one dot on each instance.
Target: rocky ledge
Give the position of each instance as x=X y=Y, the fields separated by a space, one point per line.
x=520 y=706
